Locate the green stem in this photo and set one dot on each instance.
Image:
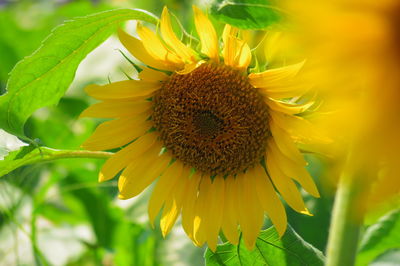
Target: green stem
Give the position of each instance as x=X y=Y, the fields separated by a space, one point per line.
x=345 y=223
x=44 y=154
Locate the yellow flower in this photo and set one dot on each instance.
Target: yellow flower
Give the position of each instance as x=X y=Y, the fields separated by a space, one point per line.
x=219 y=140
x=354 y=46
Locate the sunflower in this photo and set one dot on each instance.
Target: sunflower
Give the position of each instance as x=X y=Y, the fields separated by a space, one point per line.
x=219 y=137
x=358 y=83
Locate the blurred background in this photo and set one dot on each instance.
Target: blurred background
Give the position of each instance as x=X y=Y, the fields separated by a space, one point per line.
x=57 y=213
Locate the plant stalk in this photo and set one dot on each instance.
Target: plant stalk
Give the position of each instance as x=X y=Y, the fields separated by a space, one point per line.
x=345 y=222
x=45 y=154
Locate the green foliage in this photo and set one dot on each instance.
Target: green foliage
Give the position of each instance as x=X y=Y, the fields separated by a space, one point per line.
x=61 y=121
x=24 y=25
x=246 y=14
x=291 y=250
x=136 y=245
x=380 y=237
x=102 y=217
x=42 y=78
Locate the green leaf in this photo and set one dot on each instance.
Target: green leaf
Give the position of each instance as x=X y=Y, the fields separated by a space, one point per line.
x=42 y=78
x=291 y=250
x=379 y=238
x=246 y=14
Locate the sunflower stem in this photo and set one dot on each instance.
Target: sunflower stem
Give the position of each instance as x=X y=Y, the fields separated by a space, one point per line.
x=345 y=222
x=45 y=154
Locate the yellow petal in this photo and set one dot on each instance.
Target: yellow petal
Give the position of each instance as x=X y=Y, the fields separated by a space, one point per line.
x=213 y=212
x=229 y=51
x=174 y=203
x=126 y=156
x=190 y=67
x=285 y=185
x=243 y=55
x=156 y=48
x=286 y=90
x=228 y=31
x=199 y=232
x=188 y=207
x=162 y=189
x=116 y=133
x=230 y=217
x=152 y=75
x=269 y=200
x=171 y=40
x=137 y=49
x=299 y=128
x=207 y=34
x=293 y=170
x=287 y=108
x=122 y=89
x=274 y=76
x=140 y=174
x=237 y=53
x=169 y=215
x=286 y=144
x=251 y=214
x=117 y=109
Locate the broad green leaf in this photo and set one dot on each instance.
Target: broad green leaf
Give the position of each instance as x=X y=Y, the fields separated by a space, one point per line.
x=291 y=250
x=247 y=14
x=42 y=78
x=17 y=40
x=379 y=238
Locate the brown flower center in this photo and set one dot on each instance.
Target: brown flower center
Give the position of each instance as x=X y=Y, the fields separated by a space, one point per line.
x=212 y=119
x=207 y=124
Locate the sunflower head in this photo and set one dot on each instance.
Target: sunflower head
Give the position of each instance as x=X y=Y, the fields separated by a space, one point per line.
x=206 y=116
x=220 y=140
